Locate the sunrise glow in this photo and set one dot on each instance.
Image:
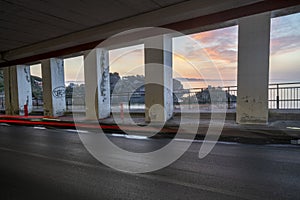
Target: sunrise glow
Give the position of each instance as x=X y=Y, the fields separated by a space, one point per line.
x=211 y=55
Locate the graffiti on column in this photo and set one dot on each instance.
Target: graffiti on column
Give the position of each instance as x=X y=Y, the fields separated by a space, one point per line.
x=27 y=74
x=59 y=92
x=59 y=64
x=105 y=76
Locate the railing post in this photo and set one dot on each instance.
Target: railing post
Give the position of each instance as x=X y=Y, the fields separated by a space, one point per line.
x=67 y=103
x=277 y=97
x=122 y=112
x=128 y=96
x=228 y=98
x=2 y=102
x=189 y=100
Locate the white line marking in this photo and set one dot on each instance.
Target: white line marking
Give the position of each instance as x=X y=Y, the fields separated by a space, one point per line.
x=4 y=124
x=135 y=137
x=77 y=131
x=117 y=135
x=138 y=137
x=293 y=128
x=39 y=127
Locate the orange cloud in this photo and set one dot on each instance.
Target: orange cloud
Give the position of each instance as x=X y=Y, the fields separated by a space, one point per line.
x=219 y=45
x=204 y=36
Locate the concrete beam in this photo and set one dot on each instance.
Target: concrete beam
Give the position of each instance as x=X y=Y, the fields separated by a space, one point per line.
x=253 y=69
x=54 y=87
x=187 y=16
x=178 y=12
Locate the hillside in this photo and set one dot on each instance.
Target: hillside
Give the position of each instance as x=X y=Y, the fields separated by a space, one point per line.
x=36 y=89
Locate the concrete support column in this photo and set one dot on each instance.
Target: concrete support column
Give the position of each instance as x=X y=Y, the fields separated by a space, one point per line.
x=253 y=69
x=17 y=86
x=54 y=87
x=158 y=79
x=97 y=84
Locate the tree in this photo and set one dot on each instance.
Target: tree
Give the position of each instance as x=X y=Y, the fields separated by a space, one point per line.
x=36 y=87
x=220 y=95
x=136 y=86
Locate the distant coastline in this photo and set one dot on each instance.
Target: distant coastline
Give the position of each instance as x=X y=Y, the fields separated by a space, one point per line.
x=200 y=83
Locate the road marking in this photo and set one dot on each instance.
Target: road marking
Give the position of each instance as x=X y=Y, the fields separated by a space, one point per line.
x=146 y=176
x=293 y=128
x=39 y=127
x=77 y=131
x=135 y=137
x=117 y=135
x=4 y=124
x=138 y=137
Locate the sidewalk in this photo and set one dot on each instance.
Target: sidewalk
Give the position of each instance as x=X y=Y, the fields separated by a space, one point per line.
x=275 y=132
x=278 y=131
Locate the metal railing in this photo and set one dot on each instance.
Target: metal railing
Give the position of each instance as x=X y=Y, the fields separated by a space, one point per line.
x=281 y=96
x=284 y=96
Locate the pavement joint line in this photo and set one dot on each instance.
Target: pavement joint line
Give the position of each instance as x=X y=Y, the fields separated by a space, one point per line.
x=50 y=158
x=146 y=176
x=198 y=187
x=201 y=141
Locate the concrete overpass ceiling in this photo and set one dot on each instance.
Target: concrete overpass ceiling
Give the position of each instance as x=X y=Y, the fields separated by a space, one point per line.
x=32 y=30
x=24 y=22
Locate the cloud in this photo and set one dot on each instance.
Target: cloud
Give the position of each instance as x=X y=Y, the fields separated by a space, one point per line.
x=219 y=45
x=127 y=61
x=285 y=34
x=222 y=54
x=285 y=44
x=213 y=54
x=134 y=52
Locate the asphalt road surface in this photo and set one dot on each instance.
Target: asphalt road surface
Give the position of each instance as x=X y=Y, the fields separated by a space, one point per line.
x=53 y=164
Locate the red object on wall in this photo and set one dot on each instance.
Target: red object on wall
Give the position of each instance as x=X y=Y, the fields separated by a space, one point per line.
x=25 y=110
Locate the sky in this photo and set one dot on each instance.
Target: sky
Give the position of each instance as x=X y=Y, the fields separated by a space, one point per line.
x=210 y=55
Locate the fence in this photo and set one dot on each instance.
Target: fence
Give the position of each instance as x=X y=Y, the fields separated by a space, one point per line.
x=284 y=96
x=281 y=96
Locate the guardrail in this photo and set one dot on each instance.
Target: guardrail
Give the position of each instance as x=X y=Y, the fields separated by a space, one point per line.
x=284 y=96
x=281 y=96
